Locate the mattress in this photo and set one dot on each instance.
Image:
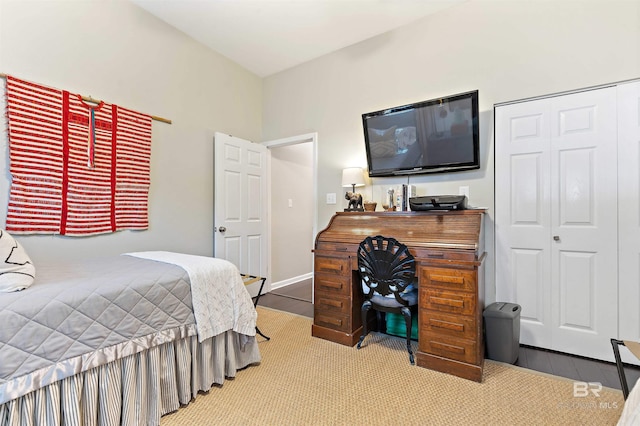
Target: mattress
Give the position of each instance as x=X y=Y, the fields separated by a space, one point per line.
x=82 y=315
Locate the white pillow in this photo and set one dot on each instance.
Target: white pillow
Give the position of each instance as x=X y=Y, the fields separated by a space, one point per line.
x=16 y=269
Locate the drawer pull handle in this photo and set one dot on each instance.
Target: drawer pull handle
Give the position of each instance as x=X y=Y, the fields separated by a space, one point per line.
x=332 y=303
x=331 y=267
x=446 y=324
x=447 y=279
x=341 y=249
x=436 y=255
x=448 y=348
x=332 y=285
x=447 y=302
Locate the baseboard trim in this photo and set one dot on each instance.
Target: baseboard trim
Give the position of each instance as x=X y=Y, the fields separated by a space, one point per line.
x=292 y=280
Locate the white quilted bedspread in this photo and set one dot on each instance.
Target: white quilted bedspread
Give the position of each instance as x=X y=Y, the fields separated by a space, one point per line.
x=220 y=300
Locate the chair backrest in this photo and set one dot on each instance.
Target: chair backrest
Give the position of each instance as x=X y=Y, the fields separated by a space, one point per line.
x=386 y=266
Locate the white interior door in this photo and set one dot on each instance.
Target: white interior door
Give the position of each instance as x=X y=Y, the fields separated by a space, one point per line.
x=556 y=222
x=240 y=222
x=584 y=222
x=629 y=212
x=523 y=222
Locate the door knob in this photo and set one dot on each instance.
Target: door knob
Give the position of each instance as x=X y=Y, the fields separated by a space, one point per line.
x=222 y=229
x=556 y=238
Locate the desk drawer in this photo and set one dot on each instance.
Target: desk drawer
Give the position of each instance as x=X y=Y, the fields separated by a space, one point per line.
x=331 y=265
x=337 y=247
x=443 y=301
x=451 y=279
x=461 y=326
x=333 y=284
x=331 y=320
x=325 y=303
x=448 y=347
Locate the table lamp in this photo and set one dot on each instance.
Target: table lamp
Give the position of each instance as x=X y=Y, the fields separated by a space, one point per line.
x=353 y=177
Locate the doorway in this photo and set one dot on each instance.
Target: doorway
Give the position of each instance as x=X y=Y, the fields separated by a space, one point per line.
x=292 y=209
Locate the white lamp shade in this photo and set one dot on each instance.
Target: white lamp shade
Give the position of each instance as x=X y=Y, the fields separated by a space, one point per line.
x=352 y=176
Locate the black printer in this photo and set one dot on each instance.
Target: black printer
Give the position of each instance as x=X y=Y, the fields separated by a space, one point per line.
x=438 y=202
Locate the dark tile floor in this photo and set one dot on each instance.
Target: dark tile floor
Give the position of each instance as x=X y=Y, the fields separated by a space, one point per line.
x=296 y=298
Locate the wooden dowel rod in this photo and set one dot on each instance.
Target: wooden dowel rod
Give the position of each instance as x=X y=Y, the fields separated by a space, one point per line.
x=90 y=99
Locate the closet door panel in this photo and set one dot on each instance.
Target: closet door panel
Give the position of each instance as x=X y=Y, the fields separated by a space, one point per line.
x=529 y=282
x=577 y=291
x=584 y=222
x=629 y=212
x=523 y=216
x=576 y=194
x=527 y=204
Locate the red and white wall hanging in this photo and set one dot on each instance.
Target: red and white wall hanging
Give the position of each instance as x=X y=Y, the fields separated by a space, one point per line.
x=77 y=167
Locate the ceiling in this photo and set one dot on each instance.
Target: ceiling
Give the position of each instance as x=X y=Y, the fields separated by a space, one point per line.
x=268 y=36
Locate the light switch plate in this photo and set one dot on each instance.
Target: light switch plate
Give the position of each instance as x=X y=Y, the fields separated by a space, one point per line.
x=331 y=198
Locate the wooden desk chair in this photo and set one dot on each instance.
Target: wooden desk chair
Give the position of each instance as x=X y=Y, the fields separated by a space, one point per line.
x=388 y=271
x=250 y=279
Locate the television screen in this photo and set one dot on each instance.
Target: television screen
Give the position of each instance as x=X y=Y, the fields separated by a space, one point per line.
x=435 y=136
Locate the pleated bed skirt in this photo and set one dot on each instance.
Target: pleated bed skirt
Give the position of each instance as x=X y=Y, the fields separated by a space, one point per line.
x=137 y=389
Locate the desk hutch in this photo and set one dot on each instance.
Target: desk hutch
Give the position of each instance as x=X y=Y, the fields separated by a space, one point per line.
x=449 y=250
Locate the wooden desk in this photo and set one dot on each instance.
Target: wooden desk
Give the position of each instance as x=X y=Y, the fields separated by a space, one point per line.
x=449 y=251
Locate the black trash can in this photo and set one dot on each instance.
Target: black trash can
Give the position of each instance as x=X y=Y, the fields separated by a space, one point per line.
x=502 y=329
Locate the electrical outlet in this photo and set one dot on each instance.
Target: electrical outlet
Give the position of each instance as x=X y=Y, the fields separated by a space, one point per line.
x=464 y=190
x=331 y=198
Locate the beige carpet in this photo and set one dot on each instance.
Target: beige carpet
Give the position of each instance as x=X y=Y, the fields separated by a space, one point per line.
x=303 y=380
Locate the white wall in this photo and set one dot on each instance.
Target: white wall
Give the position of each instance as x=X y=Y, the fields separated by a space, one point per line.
x=291 y=227
x=506 y=49
x=116 y=51
x=113 y=50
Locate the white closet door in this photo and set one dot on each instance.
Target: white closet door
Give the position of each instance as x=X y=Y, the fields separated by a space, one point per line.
x=556 y=223
x=584 y=222
x=629 y=212
x=523 y=259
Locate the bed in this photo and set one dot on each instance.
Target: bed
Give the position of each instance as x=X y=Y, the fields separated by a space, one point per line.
x=631 y=410
x=121 y=340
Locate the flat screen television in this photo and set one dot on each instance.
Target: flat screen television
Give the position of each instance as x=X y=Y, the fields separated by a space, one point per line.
x=436 y=136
